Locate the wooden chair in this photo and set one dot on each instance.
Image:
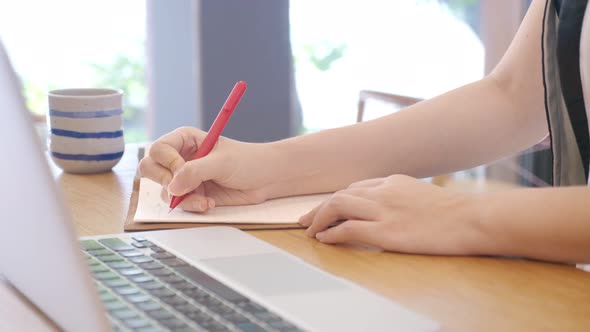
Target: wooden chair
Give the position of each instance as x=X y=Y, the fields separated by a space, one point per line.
x=388 y=98
x=397 y=101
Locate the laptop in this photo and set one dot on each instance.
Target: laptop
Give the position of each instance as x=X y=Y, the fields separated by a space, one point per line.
x=200 y=279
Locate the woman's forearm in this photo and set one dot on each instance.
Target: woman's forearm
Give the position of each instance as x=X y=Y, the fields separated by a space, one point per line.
x=469 y=126
x=547 y=224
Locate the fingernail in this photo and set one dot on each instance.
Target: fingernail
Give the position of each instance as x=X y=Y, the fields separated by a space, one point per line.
x=169 y=189
x=211 y=203
x=174 y=188
x=320 y=236
x=203 y=206
x=303 y=221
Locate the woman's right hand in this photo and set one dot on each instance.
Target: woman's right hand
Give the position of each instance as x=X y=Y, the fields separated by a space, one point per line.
x=233 y=173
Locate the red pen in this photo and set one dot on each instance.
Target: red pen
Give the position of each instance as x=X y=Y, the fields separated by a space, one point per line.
x=216 y=128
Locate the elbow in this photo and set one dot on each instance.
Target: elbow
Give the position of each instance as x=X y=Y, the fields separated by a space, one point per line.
x=524 y=92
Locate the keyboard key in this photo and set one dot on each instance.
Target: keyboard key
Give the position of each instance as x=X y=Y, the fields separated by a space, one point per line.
x=152 y=266
x=162 y=292
x=100 y=252
x=157 y=249
x=223 y=310
x=90 y=245
x=151 y=285
x=101 y=289
x=105 y=275
x=124 y=314
x=127 y=290
x=140 y=259
x=149 y=306
x=162 y=255
x=173 y=262
x=172 y=300
x=148 y=329
x=196 y=293
x=141 y=278
x=135 y=323
x=250 y=327
x=235 y=318
x=186 y=308
x=139 y=238
x=130 y=253
x=199 y=316
x=114 y=305
x=137 y=298
x=98 y=268
x=160 y=314
x=213 y=325
x=183 y=285
x=172 y=279
x=282 y=325
x=107 y=297
x=120 y=265
x=130 y=272
x=117 y=282
x=183 y=329
x=172 y=323
x=266 y=316
x=209 y=302
x=110 y=258
x=161 y=272
x=251 y=307
x=116 y=244
x=91 y=261
x=139 y=245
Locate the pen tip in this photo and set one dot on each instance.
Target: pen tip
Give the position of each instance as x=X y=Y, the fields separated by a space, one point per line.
x=170 y=210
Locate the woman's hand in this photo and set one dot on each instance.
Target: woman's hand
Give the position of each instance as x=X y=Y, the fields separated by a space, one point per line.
x=399 y=213
x=233 y=173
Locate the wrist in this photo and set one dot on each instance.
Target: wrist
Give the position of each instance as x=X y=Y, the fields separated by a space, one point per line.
x=475 y=212
x=275 y=160
x=290 y=171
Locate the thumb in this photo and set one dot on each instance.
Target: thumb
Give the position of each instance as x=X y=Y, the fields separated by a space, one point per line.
x=190 y=176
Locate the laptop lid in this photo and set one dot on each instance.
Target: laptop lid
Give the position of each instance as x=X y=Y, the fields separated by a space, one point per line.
x=39 y=253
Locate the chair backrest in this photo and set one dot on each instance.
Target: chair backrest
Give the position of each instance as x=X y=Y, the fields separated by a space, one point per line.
x=388 y=98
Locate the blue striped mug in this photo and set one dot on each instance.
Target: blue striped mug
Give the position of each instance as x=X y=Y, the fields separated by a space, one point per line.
x=86 y=129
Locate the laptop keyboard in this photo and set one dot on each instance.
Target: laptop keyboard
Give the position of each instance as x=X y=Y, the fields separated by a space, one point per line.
x=145 y=288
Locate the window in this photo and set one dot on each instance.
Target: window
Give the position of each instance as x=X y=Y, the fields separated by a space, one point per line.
x=68 y=43
x=417 y=48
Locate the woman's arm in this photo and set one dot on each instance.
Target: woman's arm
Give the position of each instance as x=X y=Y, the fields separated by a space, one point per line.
x=472 y=125
x=548 y=224
x=402 y=214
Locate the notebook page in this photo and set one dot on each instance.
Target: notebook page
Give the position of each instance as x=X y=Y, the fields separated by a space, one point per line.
x=151 y=209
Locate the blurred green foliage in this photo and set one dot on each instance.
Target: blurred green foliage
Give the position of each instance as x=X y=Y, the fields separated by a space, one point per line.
x=466 y=10
x=127 y=74
x=323 y=54
x=36 y=96
x=460 y=6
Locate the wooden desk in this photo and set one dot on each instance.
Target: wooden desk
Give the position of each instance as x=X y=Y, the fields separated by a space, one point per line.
x=462 y=293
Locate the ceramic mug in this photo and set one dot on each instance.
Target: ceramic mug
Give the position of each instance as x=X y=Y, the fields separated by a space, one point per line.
x=86 y=129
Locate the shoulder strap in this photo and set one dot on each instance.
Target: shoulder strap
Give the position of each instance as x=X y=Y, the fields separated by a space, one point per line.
x=571 y=16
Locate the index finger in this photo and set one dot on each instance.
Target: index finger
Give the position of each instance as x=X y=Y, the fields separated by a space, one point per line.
x=167 y=156
x=342 y=207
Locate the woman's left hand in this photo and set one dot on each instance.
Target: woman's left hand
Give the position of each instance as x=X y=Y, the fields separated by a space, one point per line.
x=399 y=213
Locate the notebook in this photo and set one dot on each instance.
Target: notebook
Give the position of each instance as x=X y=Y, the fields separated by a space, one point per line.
x=151 y=208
